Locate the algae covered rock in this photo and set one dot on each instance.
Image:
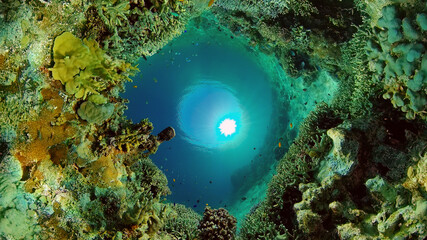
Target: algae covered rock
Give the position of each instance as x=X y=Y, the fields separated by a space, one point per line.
x=308 y=221
x=343 y=157
x=382 y=189
x=18 y=219
x=94 y=113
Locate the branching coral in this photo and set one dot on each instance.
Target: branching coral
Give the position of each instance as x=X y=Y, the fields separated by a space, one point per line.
x=134 y=28
x=184 y=223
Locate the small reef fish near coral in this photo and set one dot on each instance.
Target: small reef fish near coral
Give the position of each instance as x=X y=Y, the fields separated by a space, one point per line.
x=349 y=77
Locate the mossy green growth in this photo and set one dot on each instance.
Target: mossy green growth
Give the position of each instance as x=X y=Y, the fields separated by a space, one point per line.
x=382 y=189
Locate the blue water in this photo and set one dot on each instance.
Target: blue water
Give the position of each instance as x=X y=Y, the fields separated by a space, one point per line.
x=193 y=84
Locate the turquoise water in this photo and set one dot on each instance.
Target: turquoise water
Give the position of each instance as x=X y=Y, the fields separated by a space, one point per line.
x=193 y=84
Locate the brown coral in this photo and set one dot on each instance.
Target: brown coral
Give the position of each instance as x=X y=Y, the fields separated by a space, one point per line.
x=217 y=224
x=40 y=132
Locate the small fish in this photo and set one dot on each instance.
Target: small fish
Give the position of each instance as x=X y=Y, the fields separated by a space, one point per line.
x=174 y=180
x=291 y=125
x=134 y=86
x=194 y=206
x=198 y=201
x=207 y=204
x=254 y=148
x=244 y=198
x=280 y=144
x=210 y=3
x=155 y=80
x=210 y=182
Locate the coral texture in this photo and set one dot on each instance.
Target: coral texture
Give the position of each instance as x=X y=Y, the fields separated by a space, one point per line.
x=217 y=224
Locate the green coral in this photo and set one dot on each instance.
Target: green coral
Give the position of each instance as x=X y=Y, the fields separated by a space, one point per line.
x=342 y=158
x=183 y=224
x=94 y=113
x=18 y=218
x=399 y=58
x=383 y=190
x=133 y=204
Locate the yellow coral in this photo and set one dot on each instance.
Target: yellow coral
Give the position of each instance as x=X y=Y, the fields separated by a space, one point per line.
x=78 y=64
x=70 y=56
x=83 y=67
x=417 y=177
x=103 y=171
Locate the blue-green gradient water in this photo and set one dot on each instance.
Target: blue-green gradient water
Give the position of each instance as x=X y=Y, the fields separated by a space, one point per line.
x=193 y=84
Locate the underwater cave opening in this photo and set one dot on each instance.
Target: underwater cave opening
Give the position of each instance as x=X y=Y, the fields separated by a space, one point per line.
x=196 y=83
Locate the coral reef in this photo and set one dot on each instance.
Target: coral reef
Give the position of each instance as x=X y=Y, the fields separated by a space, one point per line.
x=184 y=224
x=134 y=28
x=397 y=56
x=73 y=167
x=217 y=224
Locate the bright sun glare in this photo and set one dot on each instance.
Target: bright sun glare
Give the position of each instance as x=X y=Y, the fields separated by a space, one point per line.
x=227 y=127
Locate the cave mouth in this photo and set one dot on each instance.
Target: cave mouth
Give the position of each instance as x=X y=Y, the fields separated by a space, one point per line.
x=197 y=81
x=211 y=87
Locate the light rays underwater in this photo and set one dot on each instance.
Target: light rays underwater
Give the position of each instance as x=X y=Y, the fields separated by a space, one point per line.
x=194 y=84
